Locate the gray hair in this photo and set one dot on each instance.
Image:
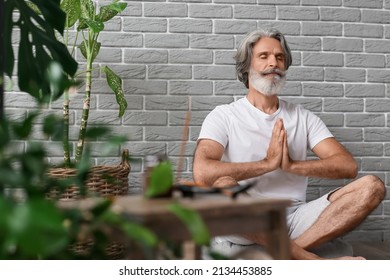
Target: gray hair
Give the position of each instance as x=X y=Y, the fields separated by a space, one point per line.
x=243 y=56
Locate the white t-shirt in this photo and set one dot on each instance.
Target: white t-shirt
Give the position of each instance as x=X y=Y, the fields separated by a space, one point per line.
x=245 y=132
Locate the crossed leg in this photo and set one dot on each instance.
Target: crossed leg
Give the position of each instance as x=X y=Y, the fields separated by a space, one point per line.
x=349 y=206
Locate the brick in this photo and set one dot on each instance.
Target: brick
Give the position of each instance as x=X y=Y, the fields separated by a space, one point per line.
x=145 y=118
x=210 y=11
x=144 y=87
x=332 y=120
x=340 y=14
x=347 y=134
x=132 y=9
x=363 y=30
x=298 y=13
x=225 y=57
x=174 y=148
x=342 y=45
x=178 y=118
x=209 y=103
x=377 y=46
x=323 y=89
x=279 y=2
x=233 y=26
x=166 y=41
x=190 y=87
x=365 y=149
x=376 y=134
x=375 y=164
x=254 y=12
x=215 y=72
x=376 y=16
x=166 y=103
x=311 y=104
x=343 y=105
x=365 y=120
x=235 y=1
x=120 y=39
x=286 y=27
x=306 y=74
x=364 y=4
x=165 y=10
x=229 y=88
x=377 y=105
x=169 y=72
x=145 y=56
x=322 y=29
x=163 y=133
x=190 y=26
x=212 y=41
x=292 y=89
x=321 y=2
x=364 y=90
x=304 y=43
x=191 y=56
x=135 y=71
x=365 y=61
x=144 y=25
x=345 y=75
x=378 y=76
x=108 y=101
x=143 y=148
x=322 y=59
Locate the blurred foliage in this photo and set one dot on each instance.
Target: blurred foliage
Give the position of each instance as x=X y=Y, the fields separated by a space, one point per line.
x=32 y=225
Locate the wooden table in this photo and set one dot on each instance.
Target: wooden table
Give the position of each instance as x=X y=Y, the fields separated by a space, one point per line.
x=222 y=215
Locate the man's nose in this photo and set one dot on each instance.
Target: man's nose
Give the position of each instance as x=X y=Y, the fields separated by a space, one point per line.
x=271 y=61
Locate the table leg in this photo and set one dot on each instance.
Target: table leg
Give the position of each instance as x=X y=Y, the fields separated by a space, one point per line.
x=277 y=236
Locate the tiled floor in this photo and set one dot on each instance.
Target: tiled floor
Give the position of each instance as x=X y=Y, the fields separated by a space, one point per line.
x=372 y=250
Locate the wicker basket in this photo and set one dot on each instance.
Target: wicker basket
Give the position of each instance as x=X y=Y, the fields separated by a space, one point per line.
x=105 y=181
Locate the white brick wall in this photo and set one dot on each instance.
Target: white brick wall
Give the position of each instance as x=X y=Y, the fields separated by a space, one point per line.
x=168 y=50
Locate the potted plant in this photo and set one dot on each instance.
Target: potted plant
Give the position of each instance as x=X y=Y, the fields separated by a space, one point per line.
x=86 y=20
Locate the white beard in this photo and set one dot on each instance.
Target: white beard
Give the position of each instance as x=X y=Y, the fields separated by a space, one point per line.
x=268 y=85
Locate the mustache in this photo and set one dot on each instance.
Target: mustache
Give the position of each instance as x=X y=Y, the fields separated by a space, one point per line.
x=279 y=72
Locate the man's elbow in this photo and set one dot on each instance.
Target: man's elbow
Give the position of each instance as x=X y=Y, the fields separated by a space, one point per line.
x=352 y=169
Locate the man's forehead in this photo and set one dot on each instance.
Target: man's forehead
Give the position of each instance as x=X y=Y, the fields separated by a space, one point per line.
x=267 y=44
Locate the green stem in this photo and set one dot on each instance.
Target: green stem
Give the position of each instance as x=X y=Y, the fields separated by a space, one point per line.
x=86 y=105
x=65 y=141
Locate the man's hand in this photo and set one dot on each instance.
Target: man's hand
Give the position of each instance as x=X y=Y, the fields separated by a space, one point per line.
x=275 y=148
x=286 y=160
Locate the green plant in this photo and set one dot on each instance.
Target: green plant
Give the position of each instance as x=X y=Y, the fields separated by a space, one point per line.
x=90 y=22
x=33 y=227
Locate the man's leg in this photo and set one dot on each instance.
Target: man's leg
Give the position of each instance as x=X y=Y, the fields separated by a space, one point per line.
x=348 y=207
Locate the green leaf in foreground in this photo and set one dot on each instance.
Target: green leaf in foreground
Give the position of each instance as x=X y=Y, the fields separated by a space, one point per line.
x=193 y=221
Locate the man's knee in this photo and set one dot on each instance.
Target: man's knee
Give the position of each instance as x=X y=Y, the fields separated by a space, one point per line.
x=374 y=188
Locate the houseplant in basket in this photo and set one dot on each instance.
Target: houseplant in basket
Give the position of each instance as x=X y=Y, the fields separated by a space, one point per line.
x=85 y=20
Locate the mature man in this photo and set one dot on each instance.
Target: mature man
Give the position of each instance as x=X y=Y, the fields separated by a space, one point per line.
x=260 y=137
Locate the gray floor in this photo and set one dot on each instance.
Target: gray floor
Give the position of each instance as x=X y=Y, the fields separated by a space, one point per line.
x=371 y=250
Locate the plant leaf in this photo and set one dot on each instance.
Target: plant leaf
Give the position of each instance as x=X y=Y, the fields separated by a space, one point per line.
x=95 y=26
x=87 y=9
x=37 y=228
x=95 y=52
x=115 y=83
x=160 y=179
x=72 y=9
x=193 y=221
x=109 y=11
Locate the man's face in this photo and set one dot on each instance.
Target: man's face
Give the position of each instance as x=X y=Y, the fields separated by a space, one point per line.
x=267 y=74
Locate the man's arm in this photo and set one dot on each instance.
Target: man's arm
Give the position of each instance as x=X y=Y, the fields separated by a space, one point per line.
x=334 y=161
x=208 y=166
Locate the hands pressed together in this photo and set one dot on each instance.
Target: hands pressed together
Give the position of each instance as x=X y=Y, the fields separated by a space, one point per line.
x=277 y=153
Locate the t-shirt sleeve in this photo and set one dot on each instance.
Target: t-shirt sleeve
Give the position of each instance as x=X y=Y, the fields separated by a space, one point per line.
x=215 y=126
x=317 y=130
